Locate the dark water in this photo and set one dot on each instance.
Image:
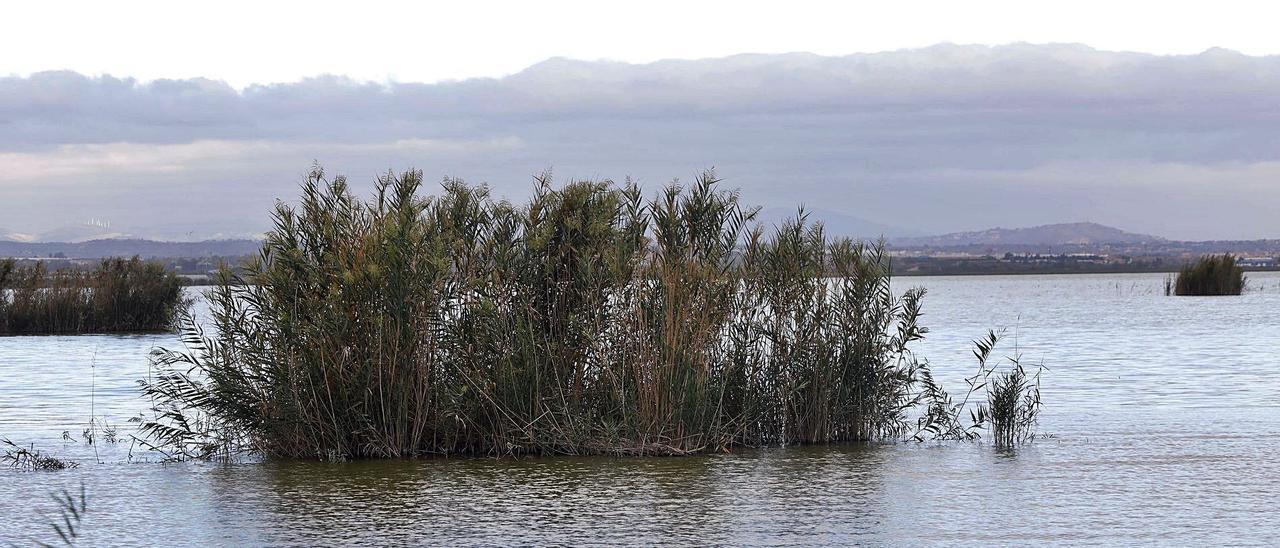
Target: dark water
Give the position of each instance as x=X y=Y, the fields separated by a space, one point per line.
x=1163 y=413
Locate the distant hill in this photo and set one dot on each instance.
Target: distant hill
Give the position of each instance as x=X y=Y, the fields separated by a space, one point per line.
x=1056 y=234
x=80 y=233
x=836 y=224
x=147 y=249
x=86 y=232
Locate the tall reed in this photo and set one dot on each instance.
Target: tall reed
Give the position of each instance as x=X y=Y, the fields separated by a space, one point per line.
x=1211 y=275
x=587 y=320
x=1013 y=395
x=118 y=295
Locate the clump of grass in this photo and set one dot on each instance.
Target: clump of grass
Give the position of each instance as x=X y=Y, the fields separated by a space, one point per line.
x=1010 y=412
x=587 y=320
x=1013 y=396
x=119 y=295
x=1211 y=275
x=30 y=458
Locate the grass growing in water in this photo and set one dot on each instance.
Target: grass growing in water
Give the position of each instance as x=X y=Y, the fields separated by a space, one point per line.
x=1211 y=275
x=68 y=524
x=71 y=512
x=119 y=295
x=588 y=320
x=30 y=458
x=1010 y=412
x=1013 y=396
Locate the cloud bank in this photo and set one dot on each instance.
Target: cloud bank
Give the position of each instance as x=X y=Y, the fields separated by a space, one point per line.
x=937 y=139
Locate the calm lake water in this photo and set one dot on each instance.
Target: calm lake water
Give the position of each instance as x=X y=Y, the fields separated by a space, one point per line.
x=1164 y=415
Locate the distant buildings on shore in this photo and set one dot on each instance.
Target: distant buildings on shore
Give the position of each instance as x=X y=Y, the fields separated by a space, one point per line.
x=1257 y=262
x=1087 y=258
x=1164 y=257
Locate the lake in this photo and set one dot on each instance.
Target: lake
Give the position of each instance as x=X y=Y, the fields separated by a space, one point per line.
x=1161 y=414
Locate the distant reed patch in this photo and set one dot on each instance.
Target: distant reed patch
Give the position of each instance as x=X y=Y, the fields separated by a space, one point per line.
x=117 y=296
x=587 y=320
x=1210 y=275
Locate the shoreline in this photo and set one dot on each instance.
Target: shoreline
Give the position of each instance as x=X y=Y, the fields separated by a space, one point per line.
x=1005 y=269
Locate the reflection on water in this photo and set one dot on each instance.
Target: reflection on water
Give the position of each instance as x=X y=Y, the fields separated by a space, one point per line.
x=569 y=500
x=1162 y=409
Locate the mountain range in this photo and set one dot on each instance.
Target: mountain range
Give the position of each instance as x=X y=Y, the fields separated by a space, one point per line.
x=103 y=243
x=88 y=232
x=1053 y=234
x=124 y=247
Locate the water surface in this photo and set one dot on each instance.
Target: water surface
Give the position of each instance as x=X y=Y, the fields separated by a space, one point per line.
x=1163 y=414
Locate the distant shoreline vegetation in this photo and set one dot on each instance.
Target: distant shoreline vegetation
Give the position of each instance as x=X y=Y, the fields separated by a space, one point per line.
x=199 y=268
x=117 y=296
x=588 y=320
x=1209 y=276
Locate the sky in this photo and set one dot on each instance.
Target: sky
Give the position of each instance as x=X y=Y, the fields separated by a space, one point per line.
x=928 y=117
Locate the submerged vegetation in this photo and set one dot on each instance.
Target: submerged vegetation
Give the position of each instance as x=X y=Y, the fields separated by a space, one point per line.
x=71 y=512
x=1211 y=275
x=29 y=458
x=119 y=295
x=589 y=320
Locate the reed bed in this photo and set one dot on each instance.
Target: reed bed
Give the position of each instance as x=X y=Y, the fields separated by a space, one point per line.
x=1211 y=275
x=587 y=320
x=119 y=295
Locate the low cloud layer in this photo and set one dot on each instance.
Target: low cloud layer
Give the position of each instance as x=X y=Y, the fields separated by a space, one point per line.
x=934 y=140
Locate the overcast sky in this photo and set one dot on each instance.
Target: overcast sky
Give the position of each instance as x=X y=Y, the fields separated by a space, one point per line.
x=158 y=117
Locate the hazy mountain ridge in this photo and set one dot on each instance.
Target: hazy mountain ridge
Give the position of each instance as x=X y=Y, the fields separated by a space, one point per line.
x=87 y=232
x=94 y=249
x=1086 y=233
x=7 y=235
x=80 y=233
x=1065 y=237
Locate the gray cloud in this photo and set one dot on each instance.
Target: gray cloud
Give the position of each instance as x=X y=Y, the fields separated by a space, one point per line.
x=938 y=139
